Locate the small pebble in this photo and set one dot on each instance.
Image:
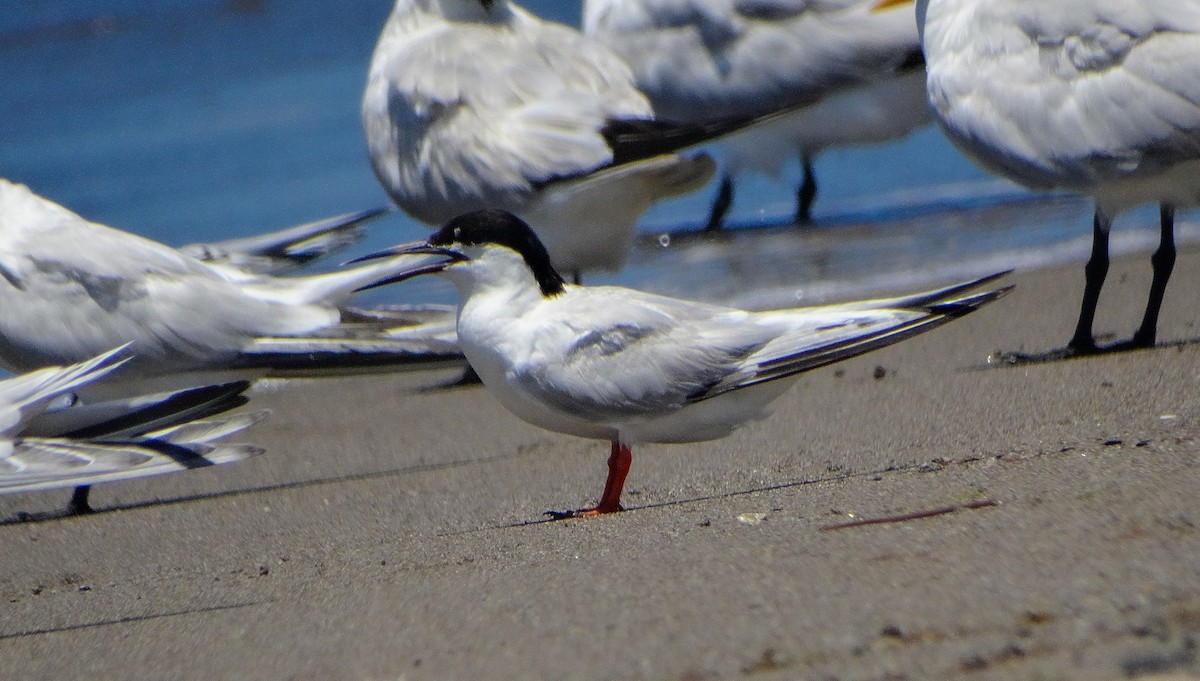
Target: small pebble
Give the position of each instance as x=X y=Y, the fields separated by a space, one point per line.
x=751 y=518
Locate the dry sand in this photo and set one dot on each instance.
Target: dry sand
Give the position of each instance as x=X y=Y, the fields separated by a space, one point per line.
x=392 y=532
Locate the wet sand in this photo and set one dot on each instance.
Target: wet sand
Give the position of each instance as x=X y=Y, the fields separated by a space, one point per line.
x=394 y=532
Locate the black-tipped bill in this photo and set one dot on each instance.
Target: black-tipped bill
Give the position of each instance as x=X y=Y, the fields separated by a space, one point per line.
x=440 y=259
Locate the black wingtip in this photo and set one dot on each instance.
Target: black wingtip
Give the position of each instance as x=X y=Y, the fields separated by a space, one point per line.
x=963 y=306
x=182 y=406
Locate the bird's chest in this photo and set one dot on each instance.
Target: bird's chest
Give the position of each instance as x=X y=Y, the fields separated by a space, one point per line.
x=498 y=337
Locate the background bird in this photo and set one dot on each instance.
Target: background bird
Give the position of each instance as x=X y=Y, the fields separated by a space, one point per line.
x=71 y=289
x=471 y=104
x=49 y=440
x=1098 y=97
x=851 y=74
x=630 y=367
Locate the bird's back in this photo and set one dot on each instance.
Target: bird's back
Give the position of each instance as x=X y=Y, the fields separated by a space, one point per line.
x=467 y=115
x=708 y=58
x=1099 y=97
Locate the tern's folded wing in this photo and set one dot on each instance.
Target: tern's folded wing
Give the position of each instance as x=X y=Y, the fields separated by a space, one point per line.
x=622 y=353
x=821 y=336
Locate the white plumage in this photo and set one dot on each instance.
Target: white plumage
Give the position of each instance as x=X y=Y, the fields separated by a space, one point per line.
x=848 y=71
x=1099 y=97
x=472 y=104
x=48 y=440
x=71 y=289
x=631 y=367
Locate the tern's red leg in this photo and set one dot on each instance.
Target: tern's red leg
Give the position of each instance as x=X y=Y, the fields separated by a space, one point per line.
x=618 y=468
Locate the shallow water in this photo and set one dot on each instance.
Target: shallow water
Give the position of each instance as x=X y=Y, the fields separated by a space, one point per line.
x=201 y=119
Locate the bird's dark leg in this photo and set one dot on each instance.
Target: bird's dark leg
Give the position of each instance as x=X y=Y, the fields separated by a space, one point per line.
x=806 y=194
x=78 y=505
x=1096 y=270
x=469 y=377
x=721 y=205
x=618 y=467
x=1163 y=261
x=576 y=277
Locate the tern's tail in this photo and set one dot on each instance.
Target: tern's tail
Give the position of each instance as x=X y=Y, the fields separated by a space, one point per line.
x=28 y=395
x=129 y=417
x=286 y=249
x=152 y=436
x=824 y=335
x=395 y=338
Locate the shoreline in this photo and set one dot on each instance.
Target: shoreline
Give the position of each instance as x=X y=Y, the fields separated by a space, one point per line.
x=395 y=531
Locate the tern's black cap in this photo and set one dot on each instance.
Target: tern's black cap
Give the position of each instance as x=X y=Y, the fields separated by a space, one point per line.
x=499 y=227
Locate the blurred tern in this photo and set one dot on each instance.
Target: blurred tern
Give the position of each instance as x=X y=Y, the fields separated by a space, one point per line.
x=1099 y=97
x=288 y=249
x=857 y=74
x=48 y=440
x=70 y=289
x=472 y=104
x=616 y=364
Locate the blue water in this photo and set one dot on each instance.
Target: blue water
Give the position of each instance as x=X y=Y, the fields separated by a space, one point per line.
x=187 y=120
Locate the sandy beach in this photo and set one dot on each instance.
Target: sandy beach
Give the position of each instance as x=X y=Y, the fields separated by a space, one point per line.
x=1042 y=522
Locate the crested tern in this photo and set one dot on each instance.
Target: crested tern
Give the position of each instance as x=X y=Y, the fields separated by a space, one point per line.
x=70 y=289
x=1098 y=97
x=473 y=104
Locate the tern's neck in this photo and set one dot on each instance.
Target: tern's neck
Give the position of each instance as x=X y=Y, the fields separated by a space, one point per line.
x=499 y=279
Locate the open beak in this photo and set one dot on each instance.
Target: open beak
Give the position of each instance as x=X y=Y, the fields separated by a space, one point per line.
x=440 y=259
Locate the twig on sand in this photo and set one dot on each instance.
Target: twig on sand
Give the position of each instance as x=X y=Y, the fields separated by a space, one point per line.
x=916 y=515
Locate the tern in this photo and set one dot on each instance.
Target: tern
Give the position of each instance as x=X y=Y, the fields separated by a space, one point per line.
x=49 y=440
x=1098 y=97
x=71 y=289
x=629 y=367
x=473 y=104
x=852 y=75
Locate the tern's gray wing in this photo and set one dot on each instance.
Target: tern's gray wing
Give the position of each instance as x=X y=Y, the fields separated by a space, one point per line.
x=621 y=353
x=70 y=289
x=815 y=337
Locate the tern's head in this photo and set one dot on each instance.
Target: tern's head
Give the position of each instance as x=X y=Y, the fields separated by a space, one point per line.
x=485 y=248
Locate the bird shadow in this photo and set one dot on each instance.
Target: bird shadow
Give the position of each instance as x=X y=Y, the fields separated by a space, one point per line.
x=129 y=620
x=1008 y=359
x=60 y=514
x=554 y=516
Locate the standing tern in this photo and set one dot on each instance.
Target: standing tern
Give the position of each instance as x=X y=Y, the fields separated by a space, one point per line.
x=472 y=104
x=70 y=289
x=854 y=76
x=49 y=440
x=1099 y=97
x=630 y=367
